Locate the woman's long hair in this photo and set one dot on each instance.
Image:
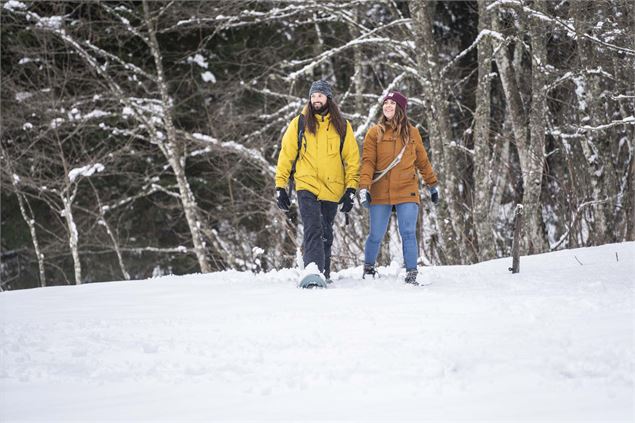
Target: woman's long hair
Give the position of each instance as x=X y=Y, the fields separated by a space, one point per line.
x=337 y=120
x=398 y=123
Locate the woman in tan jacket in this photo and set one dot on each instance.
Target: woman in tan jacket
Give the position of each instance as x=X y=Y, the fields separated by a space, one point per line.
x=393 y=152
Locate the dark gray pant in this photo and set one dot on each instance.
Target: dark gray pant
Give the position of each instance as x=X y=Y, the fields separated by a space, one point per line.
x=317 y=218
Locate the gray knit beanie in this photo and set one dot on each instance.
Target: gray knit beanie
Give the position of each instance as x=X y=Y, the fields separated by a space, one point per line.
x=323 y=87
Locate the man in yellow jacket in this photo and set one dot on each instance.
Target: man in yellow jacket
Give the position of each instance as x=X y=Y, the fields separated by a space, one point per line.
x=326 y=172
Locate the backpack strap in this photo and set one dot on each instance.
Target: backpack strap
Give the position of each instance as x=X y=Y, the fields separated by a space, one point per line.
x=297 y=156
x=300 y=134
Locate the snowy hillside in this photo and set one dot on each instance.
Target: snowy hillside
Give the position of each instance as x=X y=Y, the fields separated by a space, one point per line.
x=552 y=343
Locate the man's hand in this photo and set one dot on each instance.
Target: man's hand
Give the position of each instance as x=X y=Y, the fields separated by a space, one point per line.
x=347 y=200
x=283 y=199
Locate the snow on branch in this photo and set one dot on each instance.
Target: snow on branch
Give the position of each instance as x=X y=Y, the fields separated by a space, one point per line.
x=580 y=130
x=626 y=121
x=53 y=24
x=85 y=171
x=280 y=117
x=147 y=190
x=13 y=5
x=500 y=3
x=481 y=35
x=554 y=19
x=179 y=249
x=316 y=61
x=267 y=91
x=575 y=219
x=124 y=21
x=361 y=129
x=363 y=39
x=227 y=22
x=234 y=147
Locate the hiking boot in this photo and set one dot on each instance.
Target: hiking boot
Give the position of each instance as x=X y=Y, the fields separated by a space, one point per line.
x=369 y=269
x=411 y=277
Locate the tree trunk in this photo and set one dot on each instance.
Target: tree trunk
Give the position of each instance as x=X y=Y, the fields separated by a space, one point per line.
x=30 y=221
x=515 y=108
x=533 y=154
x=518 y=229
x=73 y=238
x=598 y=160
x=443 y=158
x=358 y=76
x=483 y=165
x=29 y=218
x=173 y=155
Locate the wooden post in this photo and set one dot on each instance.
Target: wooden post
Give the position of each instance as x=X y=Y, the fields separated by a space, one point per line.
x=518 y=223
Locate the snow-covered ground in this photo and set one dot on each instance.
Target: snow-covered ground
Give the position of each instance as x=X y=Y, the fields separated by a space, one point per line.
x=553 y=343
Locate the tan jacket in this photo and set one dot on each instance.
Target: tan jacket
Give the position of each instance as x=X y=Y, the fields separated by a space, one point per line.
x=400 y=184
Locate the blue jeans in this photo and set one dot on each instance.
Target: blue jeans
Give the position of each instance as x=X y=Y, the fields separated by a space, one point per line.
x=407 y=223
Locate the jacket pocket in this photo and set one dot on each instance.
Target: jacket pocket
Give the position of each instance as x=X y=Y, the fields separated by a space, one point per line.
x=407 y=175
x=335 y=186
x=408 y=182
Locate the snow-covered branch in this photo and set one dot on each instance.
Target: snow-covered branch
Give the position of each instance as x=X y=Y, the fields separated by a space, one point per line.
x=479 y=37
x=559 y=22
x=250 y=154
x=575 y=219
x=626 y=121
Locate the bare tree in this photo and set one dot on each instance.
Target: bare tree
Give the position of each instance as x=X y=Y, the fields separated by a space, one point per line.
x=484 y=176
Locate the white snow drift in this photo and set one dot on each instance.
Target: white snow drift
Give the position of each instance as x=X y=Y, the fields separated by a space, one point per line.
x=552 y=343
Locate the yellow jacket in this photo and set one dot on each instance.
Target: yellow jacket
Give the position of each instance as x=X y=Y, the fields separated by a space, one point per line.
x=320 y=169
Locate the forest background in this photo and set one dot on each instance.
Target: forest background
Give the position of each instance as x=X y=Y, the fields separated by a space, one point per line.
x=140 y=138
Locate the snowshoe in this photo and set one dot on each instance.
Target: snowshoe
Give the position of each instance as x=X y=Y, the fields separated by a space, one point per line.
x=312 y=282
x=369 y=269
x=411 y=277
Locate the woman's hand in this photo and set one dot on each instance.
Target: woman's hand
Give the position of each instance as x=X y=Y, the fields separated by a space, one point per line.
x=364 y=198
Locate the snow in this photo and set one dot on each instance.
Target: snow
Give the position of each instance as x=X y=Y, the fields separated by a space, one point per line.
x=26 y=60
x=552 y=343
x=95 y=114
x=52 y=22
x=87 y=170
x=199 y=60
x=127 y=111
x=208 y=77
x=56 y=123
x=580 y=90
x=499 y=3
x=22 y=95
x=14 y=5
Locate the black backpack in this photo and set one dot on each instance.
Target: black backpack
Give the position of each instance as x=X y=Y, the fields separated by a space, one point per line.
x=301 y=135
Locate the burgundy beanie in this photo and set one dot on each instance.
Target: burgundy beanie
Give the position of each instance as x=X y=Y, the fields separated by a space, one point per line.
x=398 y=98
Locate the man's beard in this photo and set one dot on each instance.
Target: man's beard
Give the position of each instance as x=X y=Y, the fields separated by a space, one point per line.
x=319 y=109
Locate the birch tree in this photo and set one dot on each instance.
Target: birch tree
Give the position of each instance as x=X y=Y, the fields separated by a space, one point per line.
x=443 y=156
x=484 y=177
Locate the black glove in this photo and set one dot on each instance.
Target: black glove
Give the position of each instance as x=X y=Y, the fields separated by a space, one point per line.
x=434 y=195
x=283 y=199
x=347 y=200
